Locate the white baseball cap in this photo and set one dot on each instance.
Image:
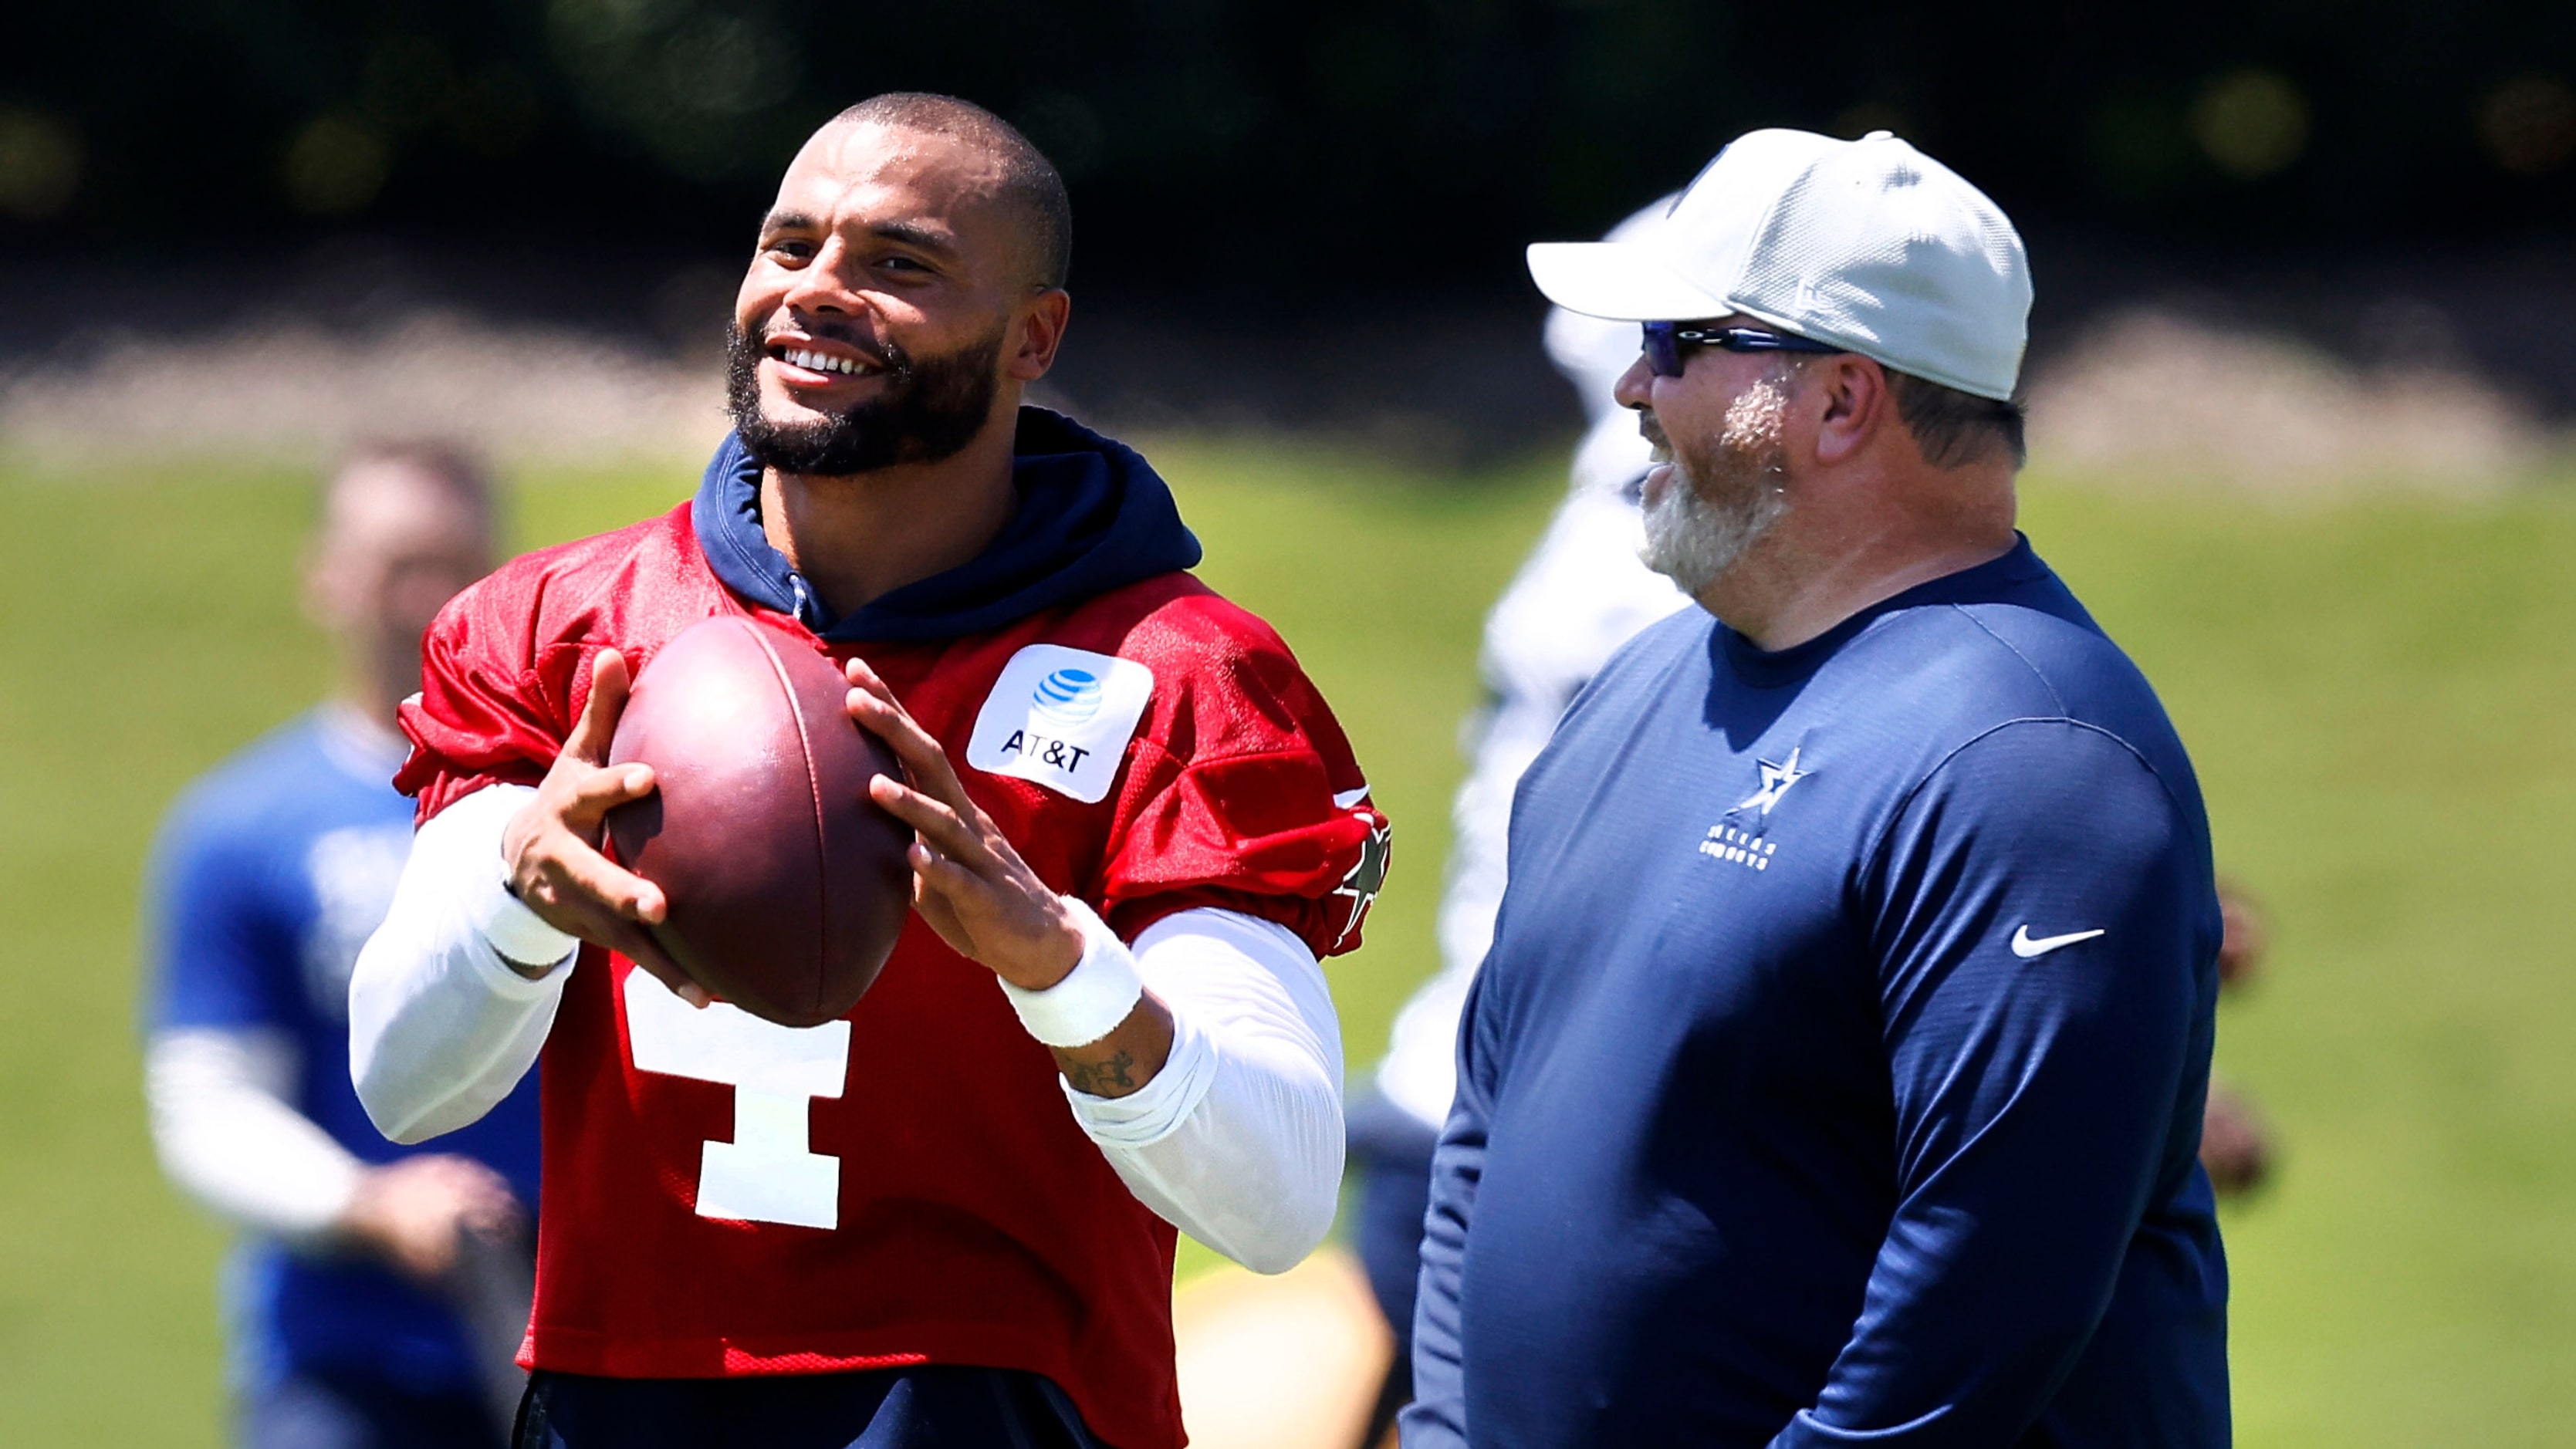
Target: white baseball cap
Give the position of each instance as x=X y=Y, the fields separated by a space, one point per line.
x=1593 y=351
x=1869 y=245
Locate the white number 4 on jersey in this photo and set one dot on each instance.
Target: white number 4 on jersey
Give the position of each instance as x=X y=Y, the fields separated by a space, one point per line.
x=766 y=1174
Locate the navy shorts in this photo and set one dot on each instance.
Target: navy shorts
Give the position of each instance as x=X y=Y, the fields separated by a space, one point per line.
x=935 y=1406
x=1391 y=1150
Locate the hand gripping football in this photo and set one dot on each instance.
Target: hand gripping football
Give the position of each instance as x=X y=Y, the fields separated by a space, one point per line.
x=787 y=886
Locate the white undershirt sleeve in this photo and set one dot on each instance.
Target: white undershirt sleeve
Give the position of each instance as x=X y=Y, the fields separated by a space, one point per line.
x=440 y=1027
x=228 y=1139
x=1237 y=1141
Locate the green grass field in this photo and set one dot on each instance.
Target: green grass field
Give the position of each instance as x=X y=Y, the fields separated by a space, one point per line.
x=2378 y=694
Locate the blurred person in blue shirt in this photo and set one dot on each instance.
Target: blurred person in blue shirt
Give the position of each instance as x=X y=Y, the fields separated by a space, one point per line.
x=377 y=1289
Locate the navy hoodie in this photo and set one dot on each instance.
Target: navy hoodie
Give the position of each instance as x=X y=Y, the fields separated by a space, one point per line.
x=1093 y=516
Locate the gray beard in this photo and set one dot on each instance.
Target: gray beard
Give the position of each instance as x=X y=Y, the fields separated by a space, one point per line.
x=1694 y=541
x=1709 y=515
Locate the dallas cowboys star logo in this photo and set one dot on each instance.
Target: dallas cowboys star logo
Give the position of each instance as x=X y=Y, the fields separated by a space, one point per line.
x=1776 y=780
x=1367 y=877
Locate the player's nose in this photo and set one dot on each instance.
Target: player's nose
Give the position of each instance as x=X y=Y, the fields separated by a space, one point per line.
x=825 y=283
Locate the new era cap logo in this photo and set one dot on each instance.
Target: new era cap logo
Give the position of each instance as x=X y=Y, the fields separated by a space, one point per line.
x=1061 y=718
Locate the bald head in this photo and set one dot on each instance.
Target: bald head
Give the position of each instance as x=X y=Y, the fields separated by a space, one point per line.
x=1025 y=186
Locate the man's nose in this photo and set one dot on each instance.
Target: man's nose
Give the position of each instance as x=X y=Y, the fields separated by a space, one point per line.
x=1635 y=388
x=823 y=284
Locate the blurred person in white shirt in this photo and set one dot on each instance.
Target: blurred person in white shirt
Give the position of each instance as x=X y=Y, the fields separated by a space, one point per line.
x=1581 y=594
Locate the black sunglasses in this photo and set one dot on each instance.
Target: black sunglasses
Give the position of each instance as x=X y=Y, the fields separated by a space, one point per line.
x=1665 y=341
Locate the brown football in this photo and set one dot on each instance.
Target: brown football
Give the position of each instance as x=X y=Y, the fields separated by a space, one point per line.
x=787 y=886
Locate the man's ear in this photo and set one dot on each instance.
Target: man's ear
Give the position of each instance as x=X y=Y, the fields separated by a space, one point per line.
x=1037 y=334
x=326 y=585
x=1856 y=405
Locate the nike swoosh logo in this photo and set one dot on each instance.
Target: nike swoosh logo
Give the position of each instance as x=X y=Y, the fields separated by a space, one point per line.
x=2031 y=950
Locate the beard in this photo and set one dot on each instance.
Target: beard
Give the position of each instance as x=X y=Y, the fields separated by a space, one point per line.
x=1717 y=505
x=930 y=408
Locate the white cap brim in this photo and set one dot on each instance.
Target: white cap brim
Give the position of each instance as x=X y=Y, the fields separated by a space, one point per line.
x=1620 y=281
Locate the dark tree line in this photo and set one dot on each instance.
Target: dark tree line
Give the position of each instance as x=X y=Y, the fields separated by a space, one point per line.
x=1357 y=146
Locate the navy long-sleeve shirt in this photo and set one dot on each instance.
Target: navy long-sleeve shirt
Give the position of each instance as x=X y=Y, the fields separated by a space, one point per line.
x=1837 y=1071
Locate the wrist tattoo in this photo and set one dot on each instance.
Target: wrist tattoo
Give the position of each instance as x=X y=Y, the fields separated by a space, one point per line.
x=1096 y=1077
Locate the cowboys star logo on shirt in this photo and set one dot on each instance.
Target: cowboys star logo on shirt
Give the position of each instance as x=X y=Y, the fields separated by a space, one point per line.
x=1776 y=780
x=1062 y=718
x=1738 y=846
x=353 y=871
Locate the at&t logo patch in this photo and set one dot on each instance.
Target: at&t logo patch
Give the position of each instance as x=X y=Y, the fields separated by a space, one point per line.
x=1062 y=718
x=1068 y=696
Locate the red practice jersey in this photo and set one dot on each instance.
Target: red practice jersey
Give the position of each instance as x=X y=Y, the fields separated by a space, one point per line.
x=724 y=1196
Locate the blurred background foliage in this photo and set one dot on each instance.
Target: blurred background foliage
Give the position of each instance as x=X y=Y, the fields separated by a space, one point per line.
x=1348 y=145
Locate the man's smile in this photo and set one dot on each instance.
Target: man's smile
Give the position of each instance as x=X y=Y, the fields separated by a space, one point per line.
x=803 y=361
x=813 y=361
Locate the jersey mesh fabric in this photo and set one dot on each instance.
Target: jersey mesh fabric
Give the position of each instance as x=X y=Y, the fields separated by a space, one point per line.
x=975 y=1222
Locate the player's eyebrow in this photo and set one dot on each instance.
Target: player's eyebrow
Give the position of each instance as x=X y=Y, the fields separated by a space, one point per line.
x=932 y=241
x=918 y=237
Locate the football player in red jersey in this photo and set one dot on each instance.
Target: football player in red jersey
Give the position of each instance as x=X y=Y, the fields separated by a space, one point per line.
x=950 y=1215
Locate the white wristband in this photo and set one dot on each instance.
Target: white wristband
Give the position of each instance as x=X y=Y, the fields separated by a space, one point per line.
x=518 y=933
x=1092 y=998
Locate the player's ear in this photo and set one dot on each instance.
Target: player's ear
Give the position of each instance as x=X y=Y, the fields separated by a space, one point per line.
x=1852 y=404
x=1036 y=333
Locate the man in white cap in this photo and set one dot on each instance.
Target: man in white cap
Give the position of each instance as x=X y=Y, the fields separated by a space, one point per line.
x=1836 y=1072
